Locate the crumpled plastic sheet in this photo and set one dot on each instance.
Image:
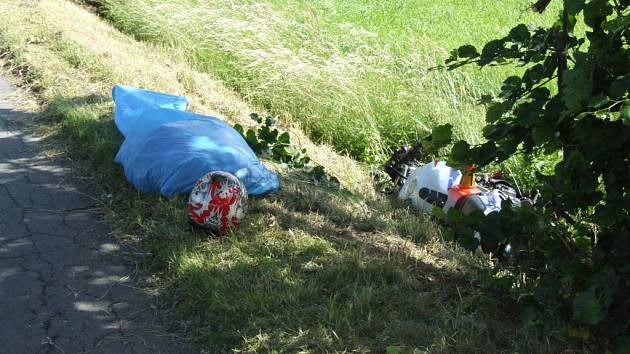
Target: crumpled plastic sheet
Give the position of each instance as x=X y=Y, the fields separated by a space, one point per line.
x=167 y=149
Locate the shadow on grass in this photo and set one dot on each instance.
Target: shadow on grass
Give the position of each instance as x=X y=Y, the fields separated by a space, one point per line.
x=87 y=129
x=299 y=276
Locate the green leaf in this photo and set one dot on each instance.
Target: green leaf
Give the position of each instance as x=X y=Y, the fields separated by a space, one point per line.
x=284 y=139
x=595 y=12
x=510 y=143
x=268 y=135
x=293 y=156
x=529 y=316
x=620 y=86
x=252 y=140
x=255 y=117
x=605 y=278
x=551 y=65
x=587 y=309
x=577 y=85
x=305 y=158
x=497 y=110
x=617 y=24
x=579 y=333
x=266 y=141
x=505 y=282
x=239 y=129
x=441 y=135
x=439 y=213
x=527 y=114
x=542 y=133
x=553 y=109
x=598 y=101
x=484 y=154
x=270 y=120
x=466 y=238
x=621 y=344
x=495 y=131
x=281 y=153
x=624 y=113
x=459 y=153
x=393 y=349
x=573 y=7
x=600 y=42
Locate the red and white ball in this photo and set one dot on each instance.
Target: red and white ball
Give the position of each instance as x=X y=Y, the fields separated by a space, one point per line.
x=217 y=202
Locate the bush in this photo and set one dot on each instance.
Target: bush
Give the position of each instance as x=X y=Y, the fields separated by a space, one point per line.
x=572 y=256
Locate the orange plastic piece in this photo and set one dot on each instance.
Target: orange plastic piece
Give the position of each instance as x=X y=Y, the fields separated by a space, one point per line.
x=460 y=191
x=467 y=185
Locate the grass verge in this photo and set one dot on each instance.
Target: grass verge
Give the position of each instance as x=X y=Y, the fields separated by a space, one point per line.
x=357 y=74
x=312 y=269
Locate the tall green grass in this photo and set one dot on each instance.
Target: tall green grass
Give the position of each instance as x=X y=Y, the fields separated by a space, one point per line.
x=355 y=73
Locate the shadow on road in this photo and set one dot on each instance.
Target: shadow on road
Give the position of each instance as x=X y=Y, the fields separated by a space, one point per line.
x=66 y=285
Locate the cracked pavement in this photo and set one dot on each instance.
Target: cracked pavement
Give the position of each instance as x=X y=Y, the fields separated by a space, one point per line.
x=65 y=284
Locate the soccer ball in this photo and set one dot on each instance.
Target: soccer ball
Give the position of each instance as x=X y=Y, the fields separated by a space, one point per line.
x=217 y=202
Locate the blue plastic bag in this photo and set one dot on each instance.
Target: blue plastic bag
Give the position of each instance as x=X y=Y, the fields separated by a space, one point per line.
x=132 y=102
x=167 y=149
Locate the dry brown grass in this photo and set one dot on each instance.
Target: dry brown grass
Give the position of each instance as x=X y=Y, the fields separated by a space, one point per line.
x=144 y=65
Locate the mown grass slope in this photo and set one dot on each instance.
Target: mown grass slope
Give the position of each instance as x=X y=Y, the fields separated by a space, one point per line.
x=360 y=75
x=311 y=270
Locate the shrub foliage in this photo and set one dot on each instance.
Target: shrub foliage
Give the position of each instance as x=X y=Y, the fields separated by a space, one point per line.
x=573 y=255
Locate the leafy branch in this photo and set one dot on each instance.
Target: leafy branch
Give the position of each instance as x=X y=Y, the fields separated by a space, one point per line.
x=587 y=121
x=268 y=142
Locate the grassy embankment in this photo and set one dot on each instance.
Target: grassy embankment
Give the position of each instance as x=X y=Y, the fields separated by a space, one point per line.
x=356 y=74
x=311 y=270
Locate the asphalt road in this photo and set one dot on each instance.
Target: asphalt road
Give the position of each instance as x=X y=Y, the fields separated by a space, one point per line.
x=65 y=284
